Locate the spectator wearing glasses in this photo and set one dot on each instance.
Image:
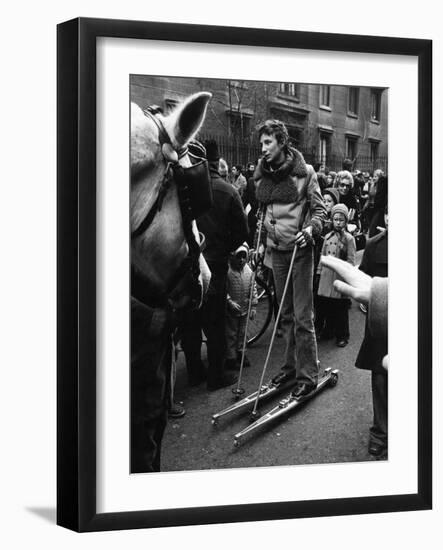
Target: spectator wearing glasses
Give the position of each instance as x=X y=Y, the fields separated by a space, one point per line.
x=345 y=186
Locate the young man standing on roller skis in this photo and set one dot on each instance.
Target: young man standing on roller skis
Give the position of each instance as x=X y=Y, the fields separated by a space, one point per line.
x=294 y=214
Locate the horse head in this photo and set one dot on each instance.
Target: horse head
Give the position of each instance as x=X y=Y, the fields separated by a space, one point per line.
x=159 y=241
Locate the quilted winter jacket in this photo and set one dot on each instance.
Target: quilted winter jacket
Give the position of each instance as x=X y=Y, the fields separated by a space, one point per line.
x=239 y=289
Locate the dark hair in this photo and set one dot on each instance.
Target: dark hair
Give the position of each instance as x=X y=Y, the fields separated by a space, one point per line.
x=275 y=128
x=239 y=167
x=347 y=164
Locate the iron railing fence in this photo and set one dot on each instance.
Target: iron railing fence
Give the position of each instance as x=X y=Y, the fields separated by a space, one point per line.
x=240 y=152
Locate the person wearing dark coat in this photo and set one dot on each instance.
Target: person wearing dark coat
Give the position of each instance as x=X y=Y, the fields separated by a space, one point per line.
x=375 y=347
x=380 y=203
x=225 y=228
x=345 y=186
x=249 y=198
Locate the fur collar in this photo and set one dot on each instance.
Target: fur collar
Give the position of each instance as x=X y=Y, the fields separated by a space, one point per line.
x=279 y=185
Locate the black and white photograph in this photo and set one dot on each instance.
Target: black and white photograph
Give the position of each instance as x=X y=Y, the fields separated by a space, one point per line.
x=259 y=273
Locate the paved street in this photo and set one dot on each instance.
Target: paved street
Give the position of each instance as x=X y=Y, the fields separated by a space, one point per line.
x=332 y=427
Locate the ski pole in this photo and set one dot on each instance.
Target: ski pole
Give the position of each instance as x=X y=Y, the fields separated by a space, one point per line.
x=239 y=390
x=254 y=413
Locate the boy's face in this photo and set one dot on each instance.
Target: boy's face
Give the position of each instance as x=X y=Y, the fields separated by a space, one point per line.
x=329 y=202
x=251 y=168
x=339 y=222
x=234 y=171
x=271 y=149
x=343 y=186
x=239 y=261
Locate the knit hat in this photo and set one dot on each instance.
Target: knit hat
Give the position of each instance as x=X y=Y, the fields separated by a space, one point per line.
x=242 y=248
x=333 y=192
x=340 y=209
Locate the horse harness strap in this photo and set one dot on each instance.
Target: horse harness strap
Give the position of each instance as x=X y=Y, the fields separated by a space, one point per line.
x=156 y=207
x=184 y=178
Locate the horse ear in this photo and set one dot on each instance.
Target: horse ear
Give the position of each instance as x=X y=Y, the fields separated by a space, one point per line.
x=186 y=121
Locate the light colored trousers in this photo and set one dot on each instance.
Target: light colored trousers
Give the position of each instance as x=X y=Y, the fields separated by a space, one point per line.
x=297 y=313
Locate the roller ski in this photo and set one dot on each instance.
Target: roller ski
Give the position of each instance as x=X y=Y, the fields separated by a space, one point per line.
x=275 y=386
x=288 y=404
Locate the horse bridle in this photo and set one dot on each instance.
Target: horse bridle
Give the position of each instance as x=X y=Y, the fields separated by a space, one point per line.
x=195 y=197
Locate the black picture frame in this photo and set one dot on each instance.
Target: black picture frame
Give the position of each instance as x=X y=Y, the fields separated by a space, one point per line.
x=76 y=266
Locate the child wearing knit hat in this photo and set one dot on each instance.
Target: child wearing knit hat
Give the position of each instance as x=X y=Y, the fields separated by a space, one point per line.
x=239 y=290
x=331 y=197
x=332 y=315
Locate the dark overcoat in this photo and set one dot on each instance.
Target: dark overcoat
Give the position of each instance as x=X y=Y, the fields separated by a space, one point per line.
x=375 y=264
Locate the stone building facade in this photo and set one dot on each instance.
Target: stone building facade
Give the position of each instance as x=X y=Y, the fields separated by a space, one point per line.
x=326 y=122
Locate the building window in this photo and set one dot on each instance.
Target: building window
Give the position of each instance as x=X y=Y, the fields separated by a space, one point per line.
x=351 y=148
x=323 y=150
x=374 y=151
x=353 y=101
x=295 y=136
x=375 y=105
x=325 y=96
x=289 y=88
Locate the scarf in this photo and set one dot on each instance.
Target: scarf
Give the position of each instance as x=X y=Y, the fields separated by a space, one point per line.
x=279 y=185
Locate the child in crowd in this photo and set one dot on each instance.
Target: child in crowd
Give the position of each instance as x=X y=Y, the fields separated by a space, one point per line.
x=239 y=290
x=331 y=197
x=332 y=315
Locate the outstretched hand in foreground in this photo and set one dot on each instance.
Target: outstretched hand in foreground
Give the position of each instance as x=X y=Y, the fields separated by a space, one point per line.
x=355 y=284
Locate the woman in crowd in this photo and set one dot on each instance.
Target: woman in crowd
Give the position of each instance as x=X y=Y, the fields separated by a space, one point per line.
x=345 y=186
x=330 y=179
x=380 y=204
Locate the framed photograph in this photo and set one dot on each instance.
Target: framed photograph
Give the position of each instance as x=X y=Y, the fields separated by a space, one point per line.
x=207 y=351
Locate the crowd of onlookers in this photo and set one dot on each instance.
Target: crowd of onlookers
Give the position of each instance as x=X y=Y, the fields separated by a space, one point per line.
x=357 y=219
x=356 y=205
x=364 y=193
